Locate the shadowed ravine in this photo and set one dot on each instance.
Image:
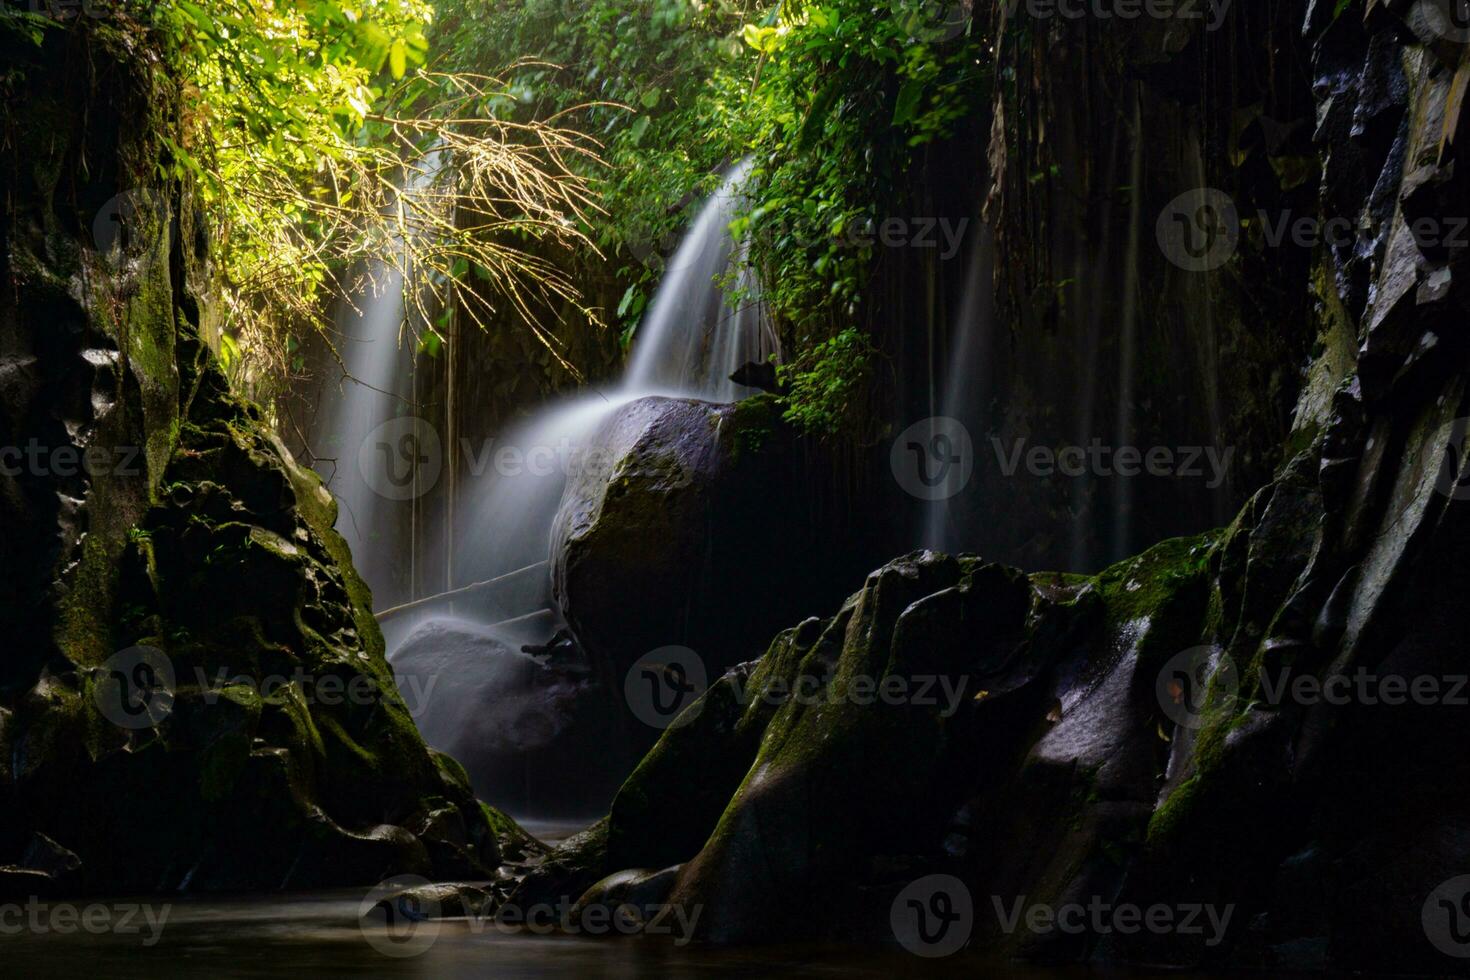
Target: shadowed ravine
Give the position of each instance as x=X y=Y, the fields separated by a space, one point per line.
x=818 y=489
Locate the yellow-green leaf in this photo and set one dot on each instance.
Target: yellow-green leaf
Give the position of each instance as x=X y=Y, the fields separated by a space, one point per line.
x=398 y=58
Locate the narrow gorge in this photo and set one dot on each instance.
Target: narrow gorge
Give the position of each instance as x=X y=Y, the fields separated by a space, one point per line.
x=670 y=487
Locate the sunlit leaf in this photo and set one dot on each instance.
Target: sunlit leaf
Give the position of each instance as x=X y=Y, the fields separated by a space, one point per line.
x=398 y=58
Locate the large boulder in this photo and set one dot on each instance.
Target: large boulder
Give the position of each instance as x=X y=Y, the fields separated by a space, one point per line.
x=954 y=716
x=537 y=734
x=699 y=509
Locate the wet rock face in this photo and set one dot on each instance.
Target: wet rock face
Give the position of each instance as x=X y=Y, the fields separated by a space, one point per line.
x=1091 y=763
x=194 y=694
x=953 y=716
x=538 y=736
x=635 y=534
x=1110 y=326
x=86 y=403
x=699 y=509
x=267 y=746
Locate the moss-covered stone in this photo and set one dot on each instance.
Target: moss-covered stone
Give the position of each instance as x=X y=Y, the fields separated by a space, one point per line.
x=283 y=755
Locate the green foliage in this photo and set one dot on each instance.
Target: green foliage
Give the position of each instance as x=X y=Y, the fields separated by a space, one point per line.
x=298 y=123
x=302 y=117
x=27 y=24
x=659 y=83
x=849 y=92
x=280 y=140
x=824 y=384
x=835 y=101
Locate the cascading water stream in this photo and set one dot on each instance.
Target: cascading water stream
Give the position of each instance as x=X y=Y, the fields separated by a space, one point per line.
x=948 y=523
x=728 y=328
x=694 y=336
x=698 y=330
x=373 y=365
x=376 y=386
x=1122 y=541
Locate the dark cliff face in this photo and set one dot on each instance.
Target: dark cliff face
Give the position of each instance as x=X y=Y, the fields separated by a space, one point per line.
x=1107 y=130
x=1122 y=736
x=192 y=687
x=1089 y=324
x=1150 y=736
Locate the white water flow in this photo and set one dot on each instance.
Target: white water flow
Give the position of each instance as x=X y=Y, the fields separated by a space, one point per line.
x=375 y=386
x=697 y=333
x=949 y=524
x=1209 y=355
x=368 y=396
x=706 y=320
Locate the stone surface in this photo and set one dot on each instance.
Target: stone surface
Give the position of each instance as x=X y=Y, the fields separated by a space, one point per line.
x=278 y=754
x=1074 y=773
x=701 y=507
x=536 y=737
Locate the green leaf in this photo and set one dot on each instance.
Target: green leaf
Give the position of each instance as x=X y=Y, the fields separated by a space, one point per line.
x=201 y=17
x=763 y=39
x=909 y=98
x=229 y=350
x=398 y=58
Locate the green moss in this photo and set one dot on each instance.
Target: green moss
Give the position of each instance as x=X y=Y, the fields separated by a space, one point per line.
x=319 y=511
x=84 y=631
x=750 y=425
x=1334 y=359
x=1141 y=586
x=511 y=836
x=1174 y=811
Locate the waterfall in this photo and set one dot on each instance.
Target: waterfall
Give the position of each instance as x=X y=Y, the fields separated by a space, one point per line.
x=949 y=524
x=695 y=335
x=1209 y=355
x=368 y=395
x=1122 y=544
x=705 y=321
x=376 y=387
x=507 y=510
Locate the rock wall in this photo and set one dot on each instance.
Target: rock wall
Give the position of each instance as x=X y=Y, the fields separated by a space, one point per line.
x=1148 y=736
x=1102 y=333
x=153 y=525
